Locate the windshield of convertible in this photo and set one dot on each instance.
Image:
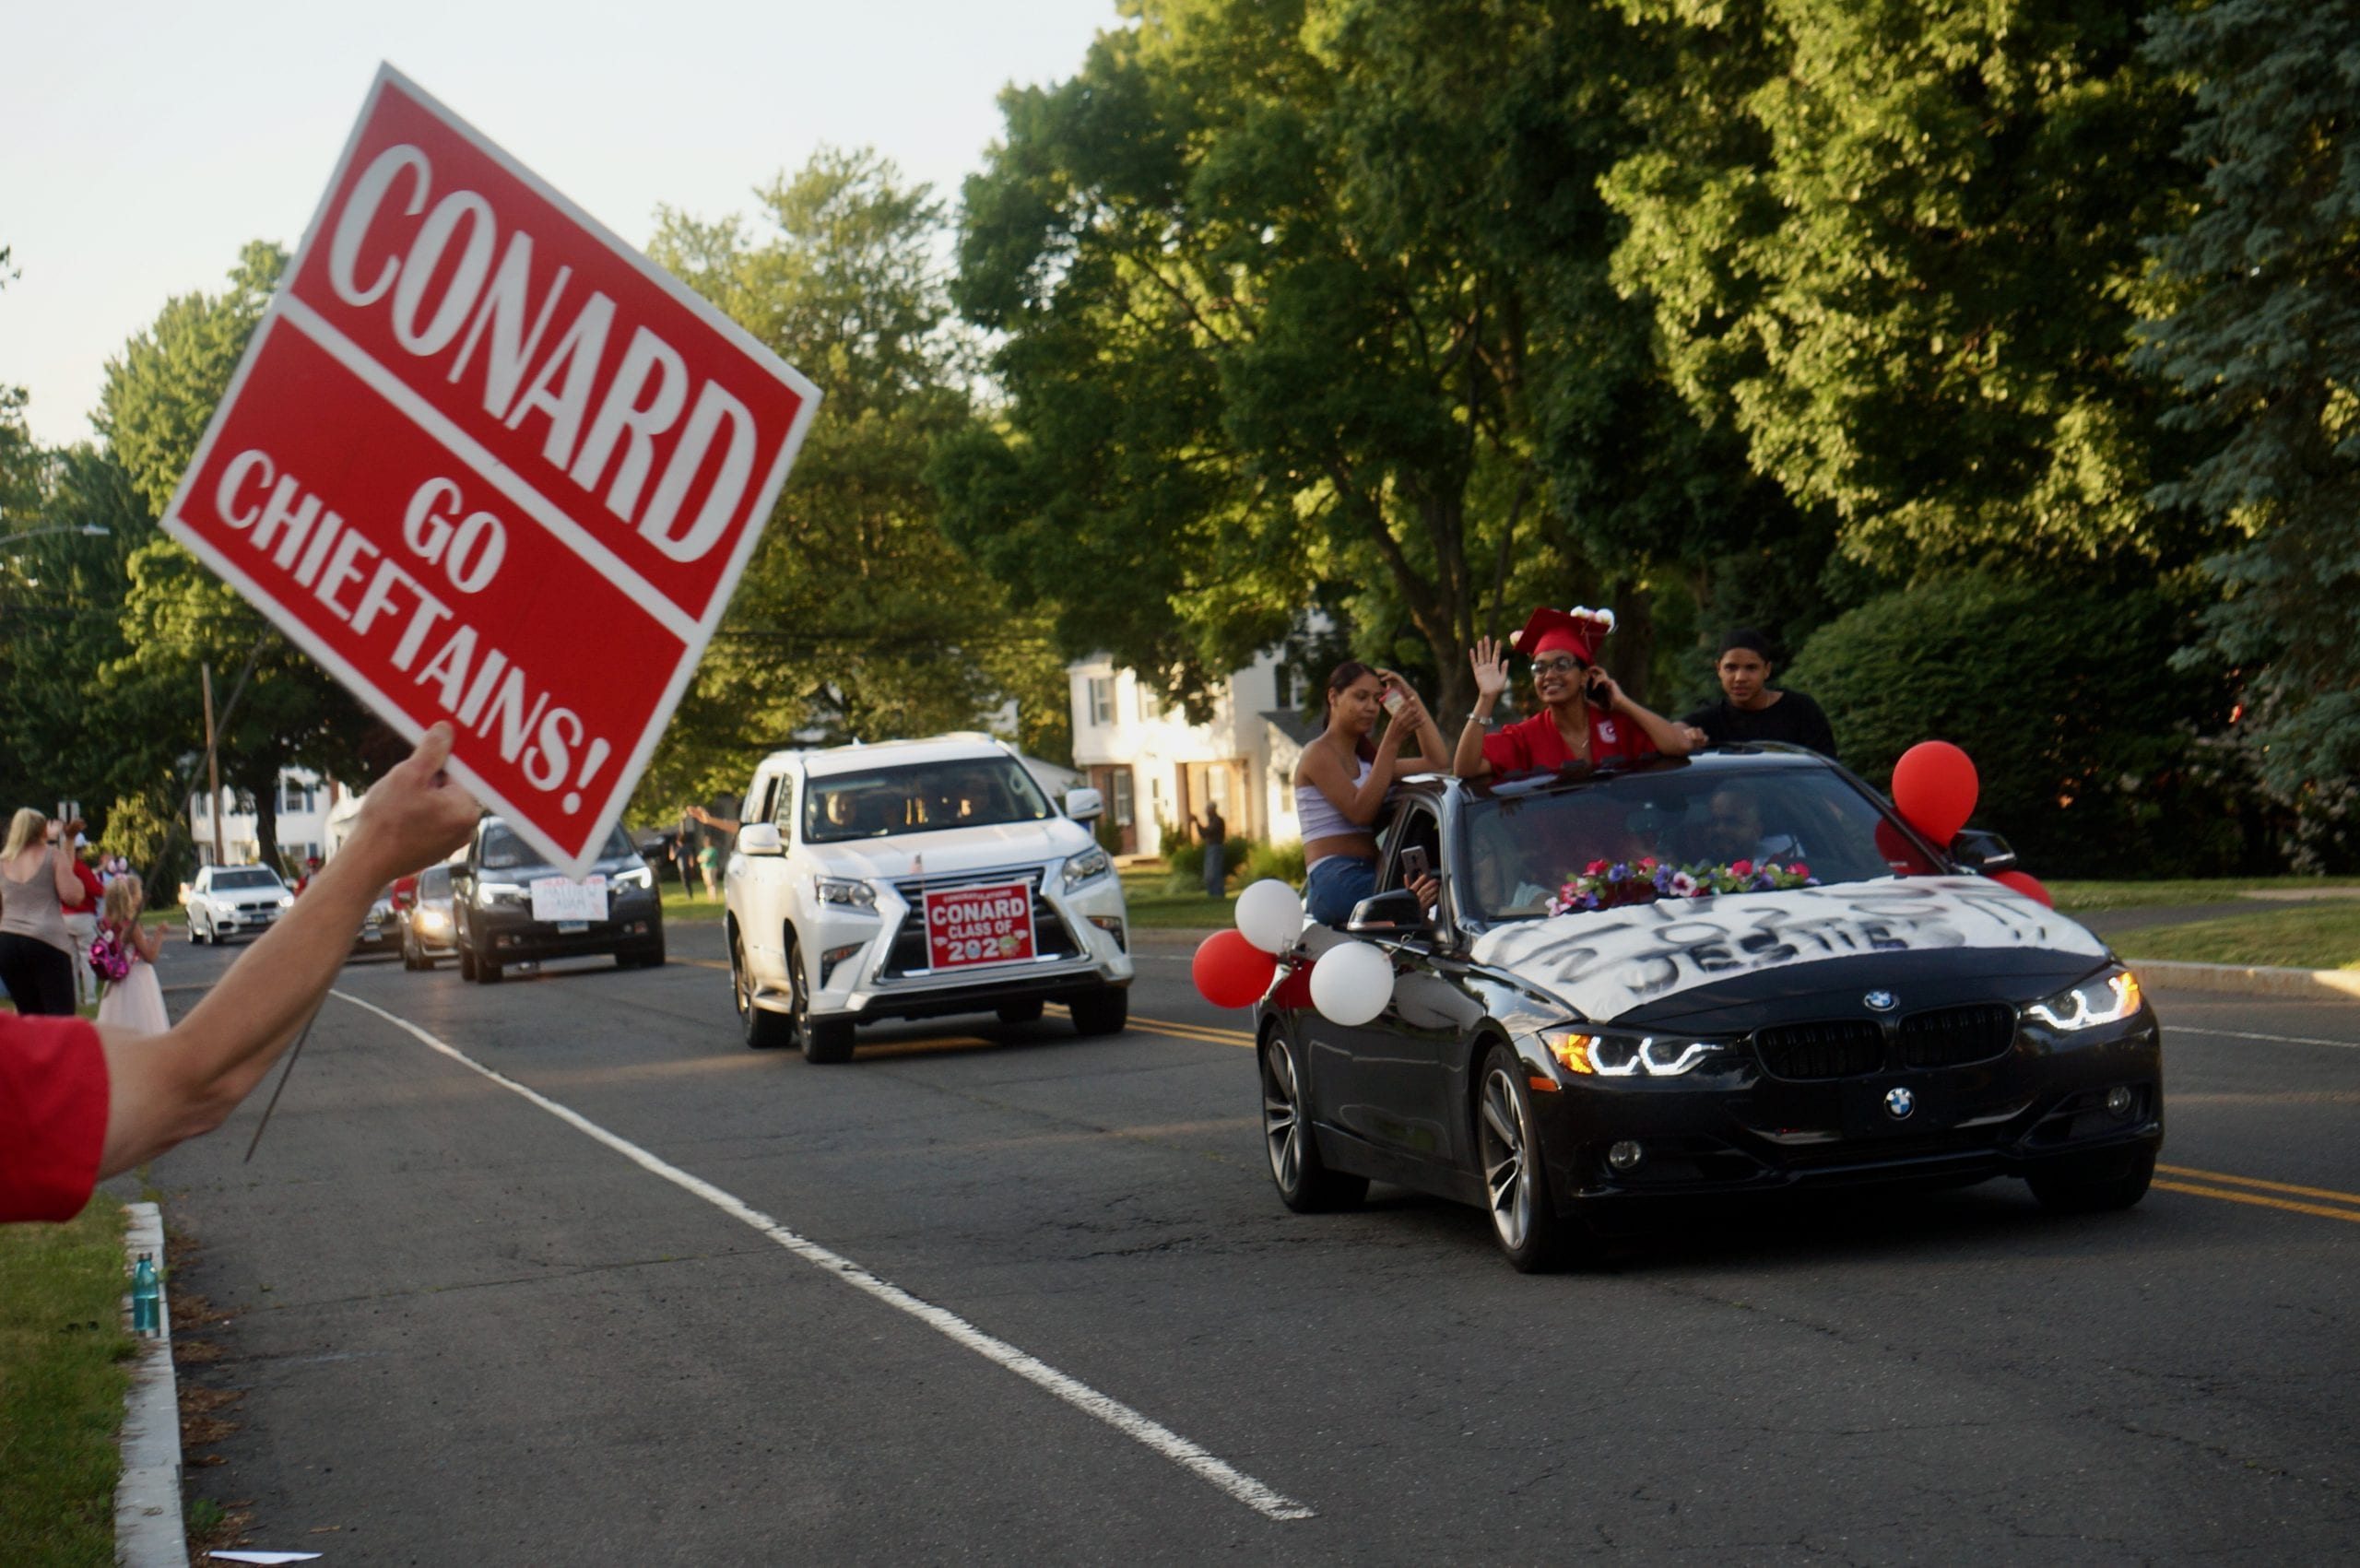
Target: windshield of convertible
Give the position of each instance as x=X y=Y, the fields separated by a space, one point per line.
x=1520 y=851
x=922 y=797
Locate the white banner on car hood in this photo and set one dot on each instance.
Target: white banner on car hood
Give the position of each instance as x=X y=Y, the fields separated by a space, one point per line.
x=1607 y=962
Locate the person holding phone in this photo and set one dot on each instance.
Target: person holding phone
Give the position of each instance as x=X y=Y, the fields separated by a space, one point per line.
x=1586 y=717
x=1340 y=782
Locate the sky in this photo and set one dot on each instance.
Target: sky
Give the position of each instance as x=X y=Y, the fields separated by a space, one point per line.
x=142 y=145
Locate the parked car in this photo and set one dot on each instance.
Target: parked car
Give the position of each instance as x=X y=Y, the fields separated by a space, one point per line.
x=235 y=900
x=510 y=906
x=424 y=922
x=915 y=879
x=378 y=933
x=1906 y=1020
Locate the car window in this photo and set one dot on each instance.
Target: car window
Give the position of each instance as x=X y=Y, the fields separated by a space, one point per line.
x=1415 y=826
x=236 y=880
x=920 y=797
x=435 y=882
x=781 y=814
x=1520 y=849
x=503 y=851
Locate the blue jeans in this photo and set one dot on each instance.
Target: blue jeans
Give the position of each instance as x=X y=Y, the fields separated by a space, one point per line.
x=1216 y=867
x=1336 y=887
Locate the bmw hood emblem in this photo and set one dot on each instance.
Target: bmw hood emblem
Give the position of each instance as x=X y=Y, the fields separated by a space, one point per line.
x=1880 y=1001
x=1899 y=1102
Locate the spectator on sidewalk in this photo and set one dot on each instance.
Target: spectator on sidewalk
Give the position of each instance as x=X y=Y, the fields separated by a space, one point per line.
x=1213 y=833
x=81 y=918
x=1751 y=708
x=79 y=1103
x=37 y=887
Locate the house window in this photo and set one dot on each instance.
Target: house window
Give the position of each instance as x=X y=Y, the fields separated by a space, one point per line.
x=1102 y=700
x=1282 y=686
x=294 y=796
x=1122 y=782
x=1150 y=702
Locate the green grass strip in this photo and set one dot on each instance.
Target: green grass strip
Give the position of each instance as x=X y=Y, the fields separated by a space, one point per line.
x=62 y=1351
x=2313 y=936
x=2071 y=896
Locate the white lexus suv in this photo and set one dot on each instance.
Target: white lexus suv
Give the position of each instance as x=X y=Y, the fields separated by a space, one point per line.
x=914 y=878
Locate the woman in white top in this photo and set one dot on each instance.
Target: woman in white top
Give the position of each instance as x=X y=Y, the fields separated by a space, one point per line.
x=1339 y=784
x=37 y=881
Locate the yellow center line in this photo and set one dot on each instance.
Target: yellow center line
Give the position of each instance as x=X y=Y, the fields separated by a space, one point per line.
x=2257 y=1200
x=1200 y=1033
x=2328 y=1192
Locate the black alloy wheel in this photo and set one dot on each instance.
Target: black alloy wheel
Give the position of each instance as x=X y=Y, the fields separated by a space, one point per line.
x=2094 y=1183
x=759 y=1029
x=1103 y=1011
x=1524 y=1216
x=1304 y=1184
x=824 y=1041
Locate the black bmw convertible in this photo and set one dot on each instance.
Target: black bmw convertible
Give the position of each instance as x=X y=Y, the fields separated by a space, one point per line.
x=1586 y=1031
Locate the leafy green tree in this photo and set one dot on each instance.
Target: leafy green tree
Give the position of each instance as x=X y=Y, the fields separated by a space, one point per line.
x=1895 y=244
x=857 y=618
x=2261 y=330
x=2090 y=756
x=157 y=397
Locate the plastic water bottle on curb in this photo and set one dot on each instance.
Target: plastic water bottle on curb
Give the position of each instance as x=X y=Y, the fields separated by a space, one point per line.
x=145 y=1300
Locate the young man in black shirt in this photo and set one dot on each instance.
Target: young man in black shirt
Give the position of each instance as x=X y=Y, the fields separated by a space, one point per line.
x=1752 y=709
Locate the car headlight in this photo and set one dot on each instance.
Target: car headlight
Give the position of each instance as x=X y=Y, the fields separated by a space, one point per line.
x=1090 y=865
x=501 y=892
x=432 y=920
x=287 y=900
x=641 y=877
x=843 y=891
x=2101 y=999
x=1630 y=1055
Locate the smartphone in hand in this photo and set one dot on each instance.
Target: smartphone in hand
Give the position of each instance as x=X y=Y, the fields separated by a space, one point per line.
x=1414 y=864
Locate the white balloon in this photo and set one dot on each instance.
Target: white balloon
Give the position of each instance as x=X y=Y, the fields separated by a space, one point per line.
x=1269 y=915
x=1352 y=984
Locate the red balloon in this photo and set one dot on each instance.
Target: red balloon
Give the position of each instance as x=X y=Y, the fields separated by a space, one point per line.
x=1293 y=994
x=1934 y=785
x=1232 y=971
x=2024 y=882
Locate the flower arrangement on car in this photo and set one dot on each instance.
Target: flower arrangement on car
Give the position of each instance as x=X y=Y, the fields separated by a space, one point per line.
x=1602 y=885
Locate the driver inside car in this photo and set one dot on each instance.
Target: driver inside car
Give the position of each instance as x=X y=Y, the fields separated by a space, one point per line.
x=1731 y=830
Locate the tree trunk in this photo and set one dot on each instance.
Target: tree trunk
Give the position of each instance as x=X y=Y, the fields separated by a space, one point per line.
x=266 y=794
x=1631 y=652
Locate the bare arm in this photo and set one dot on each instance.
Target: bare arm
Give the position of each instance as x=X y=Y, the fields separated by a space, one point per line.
x=173 y=1085
x=727 y=824
x=1490 y=663
x=1671 y=738
x=1359 y=804
x=1414 y=722
x=60 y=872
x=149 y=944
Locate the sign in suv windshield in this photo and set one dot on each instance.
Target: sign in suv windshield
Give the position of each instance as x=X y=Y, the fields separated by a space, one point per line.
x=921 y=797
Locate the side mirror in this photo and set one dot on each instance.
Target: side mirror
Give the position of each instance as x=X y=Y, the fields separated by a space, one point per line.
x=1978 y=850
x=1084 y=805
x=760 y=838
x=1389 y=913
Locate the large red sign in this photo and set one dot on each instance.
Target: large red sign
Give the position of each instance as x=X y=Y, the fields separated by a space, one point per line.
x=489 y=465
x=971 y=925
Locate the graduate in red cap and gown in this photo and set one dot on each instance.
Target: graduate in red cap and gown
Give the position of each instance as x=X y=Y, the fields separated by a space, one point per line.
x=1585 y=716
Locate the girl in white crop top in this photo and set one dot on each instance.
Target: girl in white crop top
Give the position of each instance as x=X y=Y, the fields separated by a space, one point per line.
x=1340 y=782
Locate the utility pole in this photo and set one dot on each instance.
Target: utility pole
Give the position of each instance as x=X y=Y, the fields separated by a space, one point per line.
x=212 y=765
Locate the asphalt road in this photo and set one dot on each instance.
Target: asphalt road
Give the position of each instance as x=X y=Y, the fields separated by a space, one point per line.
x=471 y=1331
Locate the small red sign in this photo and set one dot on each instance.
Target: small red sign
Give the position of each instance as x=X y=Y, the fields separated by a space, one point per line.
x=487 y=464
x=972 y=925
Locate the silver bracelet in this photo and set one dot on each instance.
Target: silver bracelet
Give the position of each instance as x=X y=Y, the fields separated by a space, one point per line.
x=1483 y=719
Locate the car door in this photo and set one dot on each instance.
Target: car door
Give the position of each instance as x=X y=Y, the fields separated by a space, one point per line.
x=762 y=881
x=1393 y=1076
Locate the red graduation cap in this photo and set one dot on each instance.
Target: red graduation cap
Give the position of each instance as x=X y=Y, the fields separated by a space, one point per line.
x=1577 y=632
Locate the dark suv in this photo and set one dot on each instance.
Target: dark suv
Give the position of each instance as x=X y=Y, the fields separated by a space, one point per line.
x=511 y=907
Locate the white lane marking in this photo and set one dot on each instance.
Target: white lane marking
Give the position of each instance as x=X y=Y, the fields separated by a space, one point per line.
x=2276 y=1039
x=1074 y=1392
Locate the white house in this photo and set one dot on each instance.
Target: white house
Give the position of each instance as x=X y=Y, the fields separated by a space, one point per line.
x=1156 y=769
x=305 y=801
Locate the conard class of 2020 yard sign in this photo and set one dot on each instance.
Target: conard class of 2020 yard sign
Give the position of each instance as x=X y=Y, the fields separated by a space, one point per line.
x=488 y=464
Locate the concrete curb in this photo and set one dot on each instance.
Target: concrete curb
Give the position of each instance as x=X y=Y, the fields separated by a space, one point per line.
x=2314 y=984
x=148 y=1529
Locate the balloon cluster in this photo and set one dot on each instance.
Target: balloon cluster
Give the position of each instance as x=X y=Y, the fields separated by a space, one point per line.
x=1934 y=787
x=1350 y=983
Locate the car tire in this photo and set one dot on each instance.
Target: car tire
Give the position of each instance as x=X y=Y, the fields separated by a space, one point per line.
x=761 y=1031
x=193 y=939
x=1516 y=1176
x=1304 y=1183
x=1103 y=1011
x=2094 y=1183
x=487 y=971
x=824 y=1041
x=1019 y=1012
x=466 y=958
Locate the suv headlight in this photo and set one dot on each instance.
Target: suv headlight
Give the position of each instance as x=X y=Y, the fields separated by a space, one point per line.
x=639 y=878
x=2107 y=997
x=1631 y=1056
x=845 y=892
x=287 y=900
x=1090 y=865
x=501 y=892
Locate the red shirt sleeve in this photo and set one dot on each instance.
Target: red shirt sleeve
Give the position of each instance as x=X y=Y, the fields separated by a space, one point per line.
x=52 y=1115
x=1505 y=750
x=93 y=890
